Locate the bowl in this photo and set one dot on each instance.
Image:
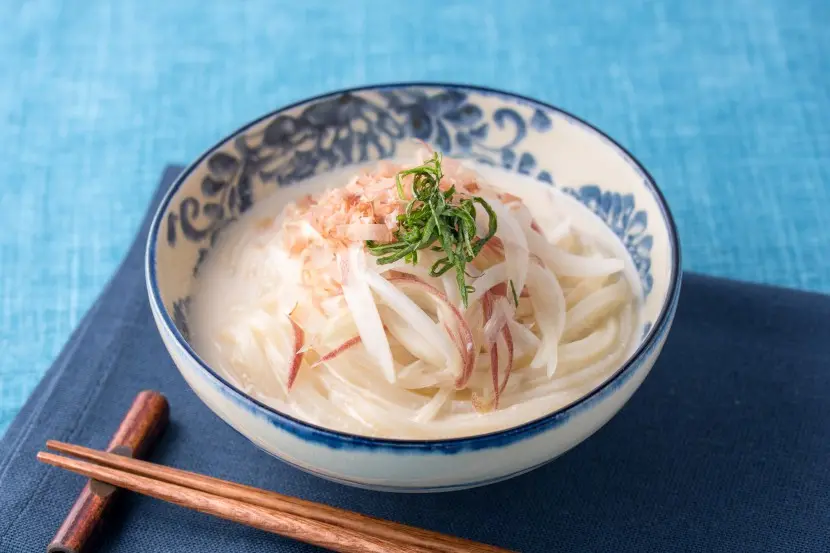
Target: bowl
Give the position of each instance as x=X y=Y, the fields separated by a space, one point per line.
x=361 y=125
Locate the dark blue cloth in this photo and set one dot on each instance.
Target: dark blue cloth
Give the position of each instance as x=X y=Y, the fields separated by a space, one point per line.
x=725 y=448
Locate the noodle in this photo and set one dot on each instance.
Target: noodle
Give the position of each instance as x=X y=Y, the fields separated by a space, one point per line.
x=297 y=312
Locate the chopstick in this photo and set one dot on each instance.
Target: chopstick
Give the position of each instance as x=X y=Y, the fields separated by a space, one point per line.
x=284 y=524
x=322 y=525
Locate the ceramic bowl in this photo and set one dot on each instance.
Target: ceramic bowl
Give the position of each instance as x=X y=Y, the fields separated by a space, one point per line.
x=363 y=125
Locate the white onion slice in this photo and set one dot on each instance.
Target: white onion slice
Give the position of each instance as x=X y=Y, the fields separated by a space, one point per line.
x=414 y=342
x=430 y=410
x=593 y=346
x=558 y=232
x=418 y=321
x=419 y=375
x=591 y=224
x=420 y=270
x=567 y=264
x=596 y=305
x=451 y=288
x=516 y=251
x=359 y=299
x=501 y=314
x=462 y=336
x=549 y=305
x=526 y=341
x=489 y=278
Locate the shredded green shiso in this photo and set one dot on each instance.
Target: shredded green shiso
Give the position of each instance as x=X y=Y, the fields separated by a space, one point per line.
x=435 y=219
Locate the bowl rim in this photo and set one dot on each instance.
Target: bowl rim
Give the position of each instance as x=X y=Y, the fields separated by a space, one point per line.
x=336 y=438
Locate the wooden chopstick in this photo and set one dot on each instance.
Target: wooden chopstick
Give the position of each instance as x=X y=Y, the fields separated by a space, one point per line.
x=399 y=535
x=299 y=528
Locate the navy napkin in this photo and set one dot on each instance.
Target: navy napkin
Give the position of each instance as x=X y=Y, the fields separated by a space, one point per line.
x=726 y=447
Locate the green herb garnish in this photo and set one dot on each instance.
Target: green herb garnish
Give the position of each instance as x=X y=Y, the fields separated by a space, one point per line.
x=513 y=291
x=435 y=216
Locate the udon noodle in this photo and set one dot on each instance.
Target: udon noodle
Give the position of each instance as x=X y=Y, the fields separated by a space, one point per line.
x=293 y=308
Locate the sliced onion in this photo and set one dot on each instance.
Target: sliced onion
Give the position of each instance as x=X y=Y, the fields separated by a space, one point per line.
x=524 y=334
x=498 y=316
x=402 y=266
x=340 y=325
x=451 y=288
x=593 y=346
x=493 y=276
x=475 y=322
x=416 y=367
x=413 y=342
x=549 y=305
x=487 y=307
x=496 y=313
x=464 y=336
x=517 y=253
x=309 y=318
x=594 y=306
x=598 y=371
x=312 y=406
x=400 y=402
x=419 y=322
x=360 y=302
x=592 y=225
x=356 y=365
x=428 y=411
x=420 y=374
x=275 y=360
x=582 y=289
x=567 y=264
x=557 y=233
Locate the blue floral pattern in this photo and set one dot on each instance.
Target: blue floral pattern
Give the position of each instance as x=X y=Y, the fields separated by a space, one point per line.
x=619 y=213
x=351 y=128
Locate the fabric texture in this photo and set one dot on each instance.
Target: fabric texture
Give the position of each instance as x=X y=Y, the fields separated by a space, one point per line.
x=726 y=103
x=724 y=448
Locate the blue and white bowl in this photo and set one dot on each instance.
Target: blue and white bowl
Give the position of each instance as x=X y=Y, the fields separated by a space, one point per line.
x=368 y=124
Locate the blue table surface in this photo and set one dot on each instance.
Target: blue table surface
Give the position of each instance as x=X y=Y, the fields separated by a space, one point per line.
x=726 y=103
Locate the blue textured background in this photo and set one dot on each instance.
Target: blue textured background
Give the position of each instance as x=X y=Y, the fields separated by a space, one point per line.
x=726 y=103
